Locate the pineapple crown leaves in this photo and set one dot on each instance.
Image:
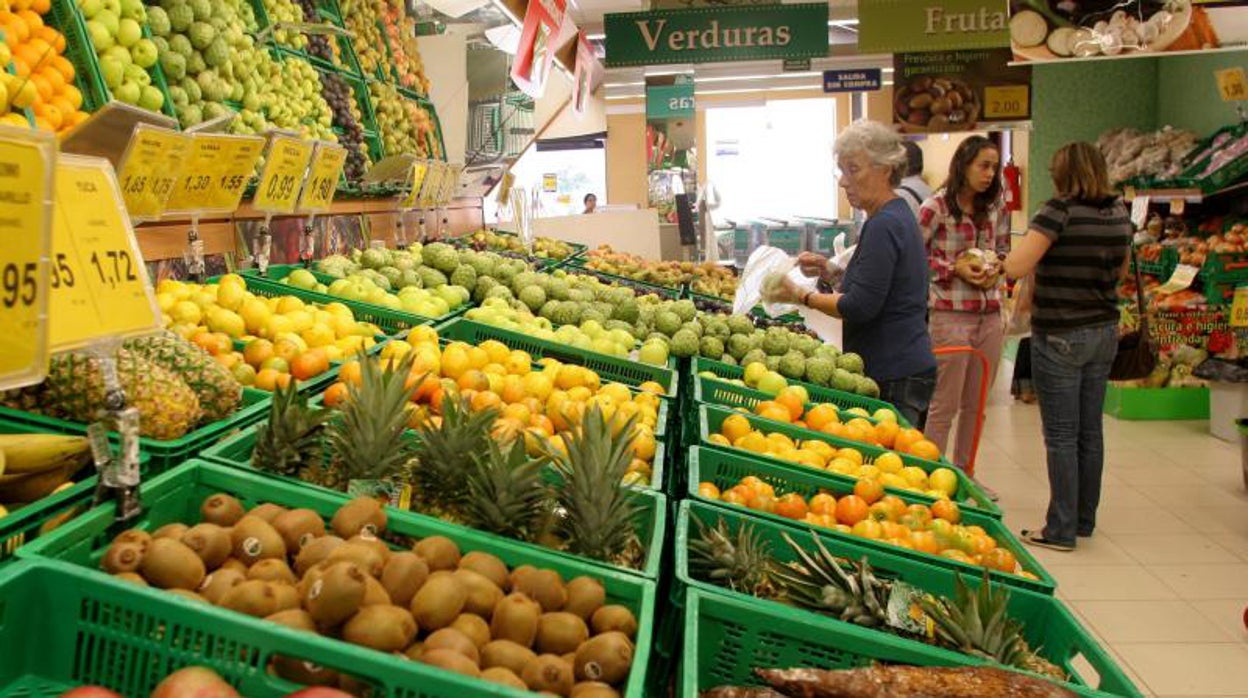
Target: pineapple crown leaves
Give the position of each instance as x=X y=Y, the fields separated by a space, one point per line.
x=505 y=491
x=742 y=562
x=597 y=509
x=975 y=622
x=447 y=451
x=822 y=581
x=292 y=432
x=367 y=435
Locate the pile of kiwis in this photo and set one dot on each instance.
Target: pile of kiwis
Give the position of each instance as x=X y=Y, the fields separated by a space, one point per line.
x=468 y=613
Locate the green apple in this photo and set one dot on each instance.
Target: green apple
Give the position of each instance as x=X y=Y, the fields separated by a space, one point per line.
x=111 y=21
x=118 y=54
x=151 y=98
x=302 y=278
x=113 y=6
x=113 y=71
x=137 y=75
x=101 y=37
x=90 y=8
x=129 y=92
x=133 y=9
x=129 y=32
x=144 y=53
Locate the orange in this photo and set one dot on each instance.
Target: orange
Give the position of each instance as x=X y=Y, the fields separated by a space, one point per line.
x=41 y=6
x=1000 y=559
x=518 y=413
x=851 y=509
x=74 y=96
x=335 y=395
x=762 y=502
x=820 y=415
x=474 y=380
x=485 y=400
x=54 y=78
x=478 y=357
x=886 y=433
x=734 y=427
x=924 y=541
x=823 y=504
x=733 y=496
x=21 y=67
x=350 y=372
x=869 y=490
x=312 y=362
x=925 y=449
x=947 y=510
x=791 y=506
x=513 y=389
x=53 y=37
x=708 y=490
x=32 y=19
x=906 y=437
x=42 y=86
x=455 y=361
x=270 y=379
x=793 y=401
x=769 y=409
x=755 y=484
x=15 y=28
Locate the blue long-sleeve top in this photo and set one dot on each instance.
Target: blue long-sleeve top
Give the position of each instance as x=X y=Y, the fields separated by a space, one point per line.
x=884 y=301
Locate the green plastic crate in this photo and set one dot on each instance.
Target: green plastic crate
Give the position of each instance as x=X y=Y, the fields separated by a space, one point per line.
x=714 y=391
x=611 y=368
x=726 y=636
x=726 y=470
x=968 y=494
x=1136 y=404
x=581 y=264
x=640 y=287
x=277 y=273
x=165 y=454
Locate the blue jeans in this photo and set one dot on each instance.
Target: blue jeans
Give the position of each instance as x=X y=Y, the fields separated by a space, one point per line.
x=1070 y=371
x=910 y=395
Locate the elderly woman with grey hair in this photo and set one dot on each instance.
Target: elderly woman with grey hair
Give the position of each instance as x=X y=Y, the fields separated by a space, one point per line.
x=882 y=296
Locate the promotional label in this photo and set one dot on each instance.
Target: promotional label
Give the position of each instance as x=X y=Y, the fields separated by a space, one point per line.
x=420 y=173
x=1239 y=307
x=323 y=175
x=149 y=169
x=795 y=65
x=864 y=80
x=1231 y=84
x=957 y=90
x=26 y=163
x=893 y=26
x=717 y=34
x=99 y=285
x=450 y=184
x=215 y=173
x=284 y=172
x=535 y=55
x=584 y=79
x=431 y=188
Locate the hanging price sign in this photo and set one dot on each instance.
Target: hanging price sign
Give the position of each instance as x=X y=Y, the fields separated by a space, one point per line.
x=99 y=286
x=149 y=169
x=1231 y=84
x=284 y=172
x=420 y=175
x=1239 y=307
x=26 y=163
x=450 y=184
x=215 y=173
x=323 y=174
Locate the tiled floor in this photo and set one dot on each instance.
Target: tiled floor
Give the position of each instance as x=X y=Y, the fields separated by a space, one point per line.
x=1164 y=582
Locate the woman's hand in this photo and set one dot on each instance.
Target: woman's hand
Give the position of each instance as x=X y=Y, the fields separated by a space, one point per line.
x=787 y=292
x=813 y=265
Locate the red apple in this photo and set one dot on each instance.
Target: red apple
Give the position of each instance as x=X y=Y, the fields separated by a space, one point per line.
x=90 y=692
x=194 y=682
x=319 y=692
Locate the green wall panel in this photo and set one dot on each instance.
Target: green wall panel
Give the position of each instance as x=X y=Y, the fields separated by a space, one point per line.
x=1188 y=93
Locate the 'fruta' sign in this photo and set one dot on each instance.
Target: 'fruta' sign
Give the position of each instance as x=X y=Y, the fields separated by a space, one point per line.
x=717 y=34
x=895 y=26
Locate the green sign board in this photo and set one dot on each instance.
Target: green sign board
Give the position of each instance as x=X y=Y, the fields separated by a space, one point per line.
x=701 y=35
x=674 y=101
x=895 y=26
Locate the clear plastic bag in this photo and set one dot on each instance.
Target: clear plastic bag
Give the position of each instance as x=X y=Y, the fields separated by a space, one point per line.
x=768 y=260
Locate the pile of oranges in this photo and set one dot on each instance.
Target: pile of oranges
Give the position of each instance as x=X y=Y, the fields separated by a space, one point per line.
x=869 y=513
x=538 y=400
x=43 y=78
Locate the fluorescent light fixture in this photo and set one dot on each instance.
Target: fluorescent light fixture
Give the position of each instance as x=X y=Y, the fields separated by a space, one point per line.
x=782 y=76
x=624 y=84
x=887 y=70
x=595 y=37
x=787 y=88
x=842 y=22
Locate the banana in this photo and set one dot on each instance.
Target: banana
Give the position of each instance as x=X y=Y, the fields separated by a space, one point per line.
x=32 y=486
x=33 y=453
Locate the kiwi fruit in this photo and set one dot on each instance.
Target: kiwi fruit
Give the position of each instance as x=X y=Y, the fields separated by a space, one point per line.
x=440 y=552
x=359 y=514
x=560 y=632
x=123 y=557
x=314 y=551
x=210 y=542
x=337 y=595
x=287 y=595
x=452 y=639
x=272 y=570
x=234 y=564
x=606 y=658
x=505 y=653
x=252 y=597
x=594 y=689
x=483 y=595
x=451 y=661
x=474 y=627
x=268 y=512
x=544 y=587
x=385 y=628
x=254 y=539
x=297 y=527
x=220 y=581
x=548 y=673
x=413 y=653
x=296 y=618
x=171 y=564
x=585 y=595
x=505 y=677
x=173 y=530
x=569 y=657
x=377 y=544
x=487 y=566
x=360 y=553
x=222 y=509
x=134 y=535
x=187 y=594
x=375 y=594
x=614 y=618
x=404 y=574
x=305 y=673
x=131 y=577
x=515 y=618
x=519 y=572
x=439 y=602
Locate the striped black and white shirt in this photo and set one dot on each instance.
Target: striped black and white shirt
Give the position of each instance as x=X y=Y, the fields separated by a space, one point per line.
x=1077 y=280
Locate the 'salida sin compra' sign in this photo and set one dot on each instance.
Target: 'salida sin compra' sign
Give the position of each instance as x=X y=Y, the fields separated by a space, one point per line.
x=717 y=34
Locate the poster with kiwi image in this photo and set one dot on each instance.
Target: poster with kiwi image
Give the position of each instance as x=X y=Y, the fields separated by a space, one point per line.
x=947 y=91
x=1054 y=30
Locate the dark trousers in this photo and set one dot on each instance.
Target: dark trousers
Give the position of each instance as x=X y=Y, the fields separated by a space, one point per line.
x=910 y=395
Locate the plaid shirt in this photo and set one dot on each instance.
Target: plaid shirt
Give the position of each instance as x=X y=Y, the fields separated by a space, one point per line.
x=946 y=239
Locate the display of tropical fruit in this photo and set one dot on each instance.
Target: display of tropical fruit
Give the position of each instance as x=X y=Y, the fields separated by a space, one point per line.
x=825 y=365
x=430 y=285
x=544 y=247
x=362 y=19
x=428 y=600
x=401 y=35
x=288 y=12
x=404 y=124
x=125 y=56
x=42 y=78
x=706 y=279
x=34 y=465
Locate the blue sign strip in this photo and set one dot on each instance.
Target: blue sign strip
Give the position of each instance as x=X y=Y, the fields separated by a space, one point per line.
x=860 y=80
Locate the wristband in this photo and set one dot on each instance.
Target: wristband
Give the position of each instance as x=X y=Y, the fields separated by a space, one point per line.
x=806 y=298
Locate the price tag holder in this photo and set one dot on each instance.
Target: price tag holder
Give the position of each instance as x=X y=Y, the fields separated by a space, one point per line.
x=450 y=184
x=1239 y=307
x=99 y=285
x=1180 y=280
x=27 y=160
x=420 y=174
x=433 y=184
x=1007 y=102
x=149 y=169
x=215 y=173
x=1139 y=211
x=323 y=174
x=1231 y=84
x=285 y=168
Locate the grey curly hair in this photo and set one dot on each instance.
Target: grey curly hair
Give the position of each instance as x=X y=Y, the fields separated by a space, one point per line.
x=882 y=145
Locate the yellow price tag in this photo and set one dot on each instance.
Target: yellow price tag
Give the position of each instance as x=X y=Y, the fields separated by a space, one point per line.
x=433 y=184
x=99 y=284
x=25 y=214
x=420 y=172
x=450 y=184
x=1239 y=307
x=284 y=172
x=323 y=174
x=215 y=173
x=1007 y=102
x=1231 y=84
x=150 y=169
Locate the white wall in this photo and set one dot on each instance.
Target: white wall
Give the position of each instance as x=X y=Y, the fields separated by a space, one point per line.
x=445 y=57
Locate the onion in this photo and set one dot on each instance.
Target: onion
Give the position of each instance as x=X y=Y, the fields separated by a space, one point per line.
x=1028 y=28
x=1060 y=42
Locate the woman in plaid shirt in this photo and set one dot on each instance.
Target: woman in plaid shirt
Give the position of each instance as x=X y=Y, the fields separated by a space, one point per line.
x=966 y=229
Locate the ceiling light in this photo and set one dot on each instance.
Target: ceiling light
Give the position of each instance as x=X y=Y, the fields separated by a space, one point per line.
x=595 y=37
x=786 y=88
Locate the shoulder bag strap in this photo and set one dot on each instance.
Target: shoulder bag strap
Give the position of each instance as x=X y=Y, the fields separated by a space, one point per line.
x=1139 y=293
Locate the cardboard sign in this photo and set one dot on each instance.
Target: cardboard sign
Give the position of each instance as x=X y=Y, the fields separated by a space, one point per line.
x=284 y=171
x=149 y=170
x=535 y=55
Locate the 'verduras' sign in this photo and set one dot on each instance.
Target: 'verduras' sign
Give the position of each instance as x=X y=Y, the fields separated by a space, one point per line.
x=717 y=34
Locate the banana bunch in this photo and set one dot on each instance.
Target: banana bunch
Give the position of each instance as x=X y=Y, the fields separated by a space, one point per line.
x=33 y=466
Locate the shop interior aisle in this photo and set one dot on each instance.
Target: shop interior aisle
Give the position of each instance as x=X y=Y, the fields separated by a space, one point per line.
x=1164 y=582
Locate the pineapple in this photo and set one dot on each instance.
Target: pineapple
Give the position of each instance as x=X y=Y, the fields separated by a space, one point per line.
x=505 y=492
x=366 y=438
x=446 y=452
x=290 y=442
x=218 y=391
x=821 y=583
x=75 y=390
x=597 y=509
x=741 y=562
x=975 y=623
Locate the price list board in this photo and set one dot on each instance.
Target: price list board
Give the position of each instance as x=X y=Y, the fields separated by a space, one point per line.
x=215 y=173
x=285 y=169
